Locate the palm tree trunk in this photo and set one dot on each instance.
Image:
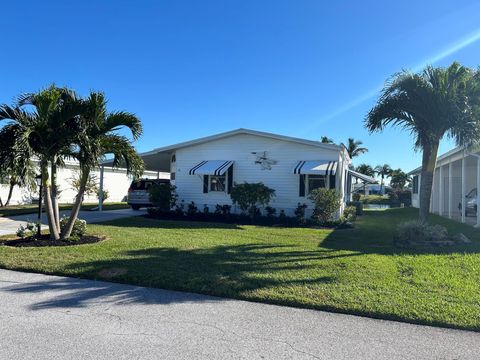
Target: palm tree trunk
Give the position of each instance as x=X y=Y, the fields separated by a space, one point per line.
x=67 y=230
x=54 y=235
x=429 y=161
x=56 y=211
x=381 y=186
x=10 y=192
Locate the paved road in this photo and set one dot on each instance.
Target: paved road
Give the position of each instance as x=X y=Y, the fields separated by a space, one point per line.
x=47 y=317
x=11 y=224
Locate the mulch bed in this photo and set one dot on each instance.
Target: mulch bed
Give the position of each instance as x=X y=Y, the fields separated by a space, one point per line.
x=45 y=241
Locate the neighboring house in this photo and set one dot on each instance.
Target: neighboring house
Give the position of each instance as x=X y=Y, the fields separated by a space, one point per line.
x=371 y=189
x=116 y=182
x=455 y=183
x=204 y=170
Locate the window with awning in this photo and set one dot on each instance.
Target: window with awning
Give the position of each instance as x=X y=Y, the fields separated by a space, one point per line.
x=217 y=175
x=315 y=174
x=316 y=167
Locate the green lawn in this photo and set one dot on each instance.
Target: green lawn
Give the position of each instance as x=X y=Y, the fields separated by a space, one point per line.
x=32 y=209
x=353 y=271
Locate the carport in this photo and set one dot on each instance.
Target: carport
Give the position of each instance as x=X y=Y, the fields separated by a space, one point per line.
x=157 y=162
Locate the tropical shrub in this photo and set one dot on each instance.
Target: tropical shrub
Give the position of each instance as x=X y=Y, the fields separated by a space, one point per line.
x=401 y=197
x=415 y=232
x=248 y=196
x=254 y=212
x=179 y=208
x=79 y=228
x=163 y=196
x=358 y=206
x=350 y=213
x=91 y=184
x=271 y=211
x=327 y=204
x=375 y=199
x=206 y=210
x=26 y=231
x=192 y=209
x=222 y=209
x=300 y=212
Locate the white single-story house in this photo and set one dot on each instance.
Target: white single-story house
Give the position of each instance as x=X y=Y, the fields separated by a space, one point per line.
x=204 y=170
x=115 y=181
x=371 y=189
x=455 y=183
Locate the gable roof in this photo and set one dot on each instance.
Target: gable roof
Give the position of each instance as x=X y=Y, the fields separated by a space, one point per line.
x=246 y=132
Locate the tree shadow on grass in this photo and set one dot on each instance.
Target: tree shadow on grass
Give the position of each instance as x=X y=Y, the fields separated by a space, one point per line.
x=227 y=271
x=374 y=234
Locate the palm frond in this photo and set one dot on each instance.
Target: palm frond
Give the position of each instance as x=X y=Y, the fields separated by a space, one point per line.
x=119 y=119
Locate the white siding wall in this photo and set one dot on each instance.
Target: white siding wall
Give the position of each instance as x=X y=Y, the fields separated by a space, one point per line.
x=116 y=182
x=239 y=148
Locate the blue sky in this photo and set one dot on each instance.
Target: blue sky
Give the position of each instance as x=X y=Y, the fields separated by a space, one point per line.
x=194 y=68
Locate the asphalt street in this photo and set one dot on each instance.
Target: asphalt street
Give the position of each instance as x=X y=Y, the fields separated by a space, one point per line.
x=49 y=317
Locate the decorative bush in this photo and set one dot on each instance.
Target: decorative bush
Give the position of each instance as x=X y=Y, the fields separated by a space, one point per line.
x=79 y=228
x=327 y=204
x=26 y=231
x=414 y=232
x=248 y=196
x=222 y=209
x=358 y=205
x=206 y=210
x=179 y=208
x=270 y=211
x=350 y=213
x=300 y=212
x=192 y=209
x=254 y=211
x=375 y=199
x=400 y=197
x=163 y=196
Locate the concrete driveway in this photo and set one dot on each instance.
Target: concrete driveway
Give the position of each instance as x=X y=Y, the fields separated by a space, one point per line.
x=49 y=317
x=9 y=225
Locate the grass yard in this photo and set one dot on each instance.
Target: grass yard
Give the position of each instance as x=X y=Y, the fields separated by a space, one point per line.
x=13 y=210
x=354 y=271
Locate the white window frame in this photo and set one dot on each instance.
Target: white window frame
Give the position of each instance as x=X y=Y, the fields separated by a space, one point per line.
x=307 y=185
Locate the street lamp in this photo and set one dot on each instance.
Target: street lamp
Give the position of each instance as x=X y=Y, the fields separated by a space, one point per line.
x=38 y=180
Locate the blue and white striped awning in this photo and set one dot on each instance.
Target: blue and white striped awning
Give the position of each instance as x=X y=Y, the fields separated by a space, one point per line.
x=316 y=167
x=211 y=167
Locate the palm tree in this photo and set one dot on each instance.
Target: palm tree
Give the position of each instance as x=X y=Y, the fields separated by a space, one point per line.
x=98 y=138
x=16 y=166
x=383 y=171
x=354 y=148
x=365 y=169
x=326 y=140
x=64 y=126
x=59 y=110
x=46 y=132
x=430 y=105
x=398 y=179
